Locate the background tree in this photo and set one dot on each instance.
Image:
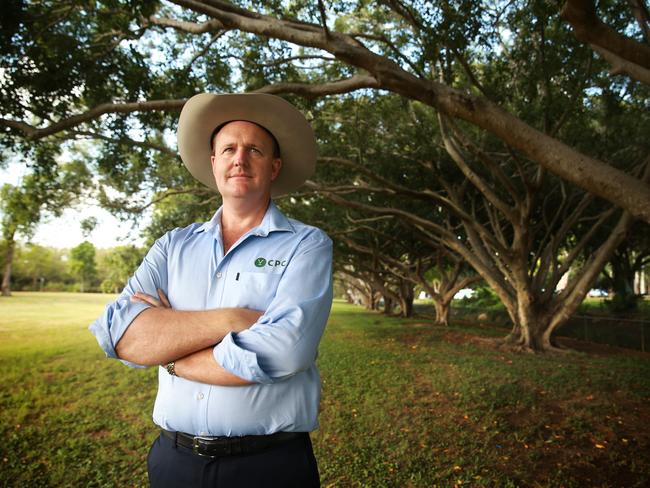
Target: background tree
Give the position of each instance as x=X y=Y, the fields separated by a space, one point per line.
x=117 y=265
x=627 y=261
x=82 y=264
x=48 y=190
x=39 y=268
x=88 y=225
x=518 y=227
x=19 y=212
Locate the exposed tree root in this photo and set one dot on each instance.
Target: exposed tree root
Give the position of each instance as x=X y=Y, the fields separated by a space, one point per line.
x=507 y=344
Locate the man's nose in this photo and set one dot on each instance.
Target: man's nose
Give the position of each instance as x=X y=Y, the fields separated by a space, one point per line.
x=240 y=157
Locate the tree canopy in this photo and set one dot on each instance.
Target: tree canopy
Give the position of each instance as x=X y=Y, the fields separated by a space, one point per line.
x=118 y=62
x=510 y=137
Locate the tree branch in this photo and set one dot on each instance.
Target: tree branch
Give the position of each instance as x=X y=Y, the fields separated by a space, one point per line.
x=204 y=50
x=277 y=62
x=454 y=151
x=323 y=18
x=622 y=67
x=105 y=108
x=184 y=26
x=583 y=171
x=588 y=28
x=130 y=142
x=169 y=193
x=303 y=89
x=309 y=91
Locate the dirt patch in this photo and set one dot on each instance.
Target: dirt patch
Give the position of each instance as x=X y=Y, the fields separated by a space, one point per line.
x=421 y=325
x=600 y=349
x=568 y=344
x=101 y=434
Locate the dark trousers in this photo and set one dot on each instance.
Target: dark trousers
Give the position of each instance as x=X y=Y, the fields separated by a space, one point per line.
x=290 y=464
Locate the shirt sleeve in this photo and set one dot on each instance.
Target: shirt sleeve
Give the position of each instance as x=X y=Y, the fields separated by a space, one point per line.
x=284 y=341
x=118 y=315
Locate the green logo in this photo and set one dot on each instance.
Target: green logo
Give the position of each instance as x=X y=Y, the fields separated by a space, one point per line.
x=260 y=262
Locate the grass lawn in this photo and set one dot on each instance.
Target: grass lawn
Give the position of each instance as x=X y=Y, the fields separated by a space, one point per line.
x=404 y=404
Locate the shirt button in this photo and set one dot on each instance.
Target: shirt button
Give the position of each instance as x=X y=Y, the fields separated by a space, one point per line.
x=199 y=396
x=219 y=274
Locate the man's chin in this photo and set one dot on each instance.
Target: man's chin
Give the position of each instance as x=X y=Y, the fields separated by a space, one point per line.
x=242 y=192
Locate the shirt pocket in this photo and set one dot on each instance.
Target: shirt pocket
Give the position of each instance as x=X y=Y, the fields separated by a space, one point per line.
x=252 y=290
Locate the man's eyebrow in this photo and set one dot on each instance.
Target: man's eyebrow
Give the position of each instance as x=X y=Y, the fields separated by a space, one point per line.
x=250 y=145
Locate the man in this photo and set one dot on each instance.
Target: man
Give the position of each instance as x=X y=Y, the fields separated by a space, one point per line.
x=232 y=309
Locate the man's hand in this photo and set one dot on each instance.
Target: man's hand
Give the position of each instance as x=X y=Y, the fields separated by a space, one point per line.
x=144 y=298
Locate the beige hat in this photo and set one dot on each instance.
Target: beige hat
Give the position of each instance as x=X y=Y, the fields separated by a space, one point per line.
x=204 y=112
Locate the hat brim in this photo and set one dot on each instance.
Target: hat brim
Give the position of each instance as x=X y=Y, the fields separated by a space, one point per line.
x=204 y=112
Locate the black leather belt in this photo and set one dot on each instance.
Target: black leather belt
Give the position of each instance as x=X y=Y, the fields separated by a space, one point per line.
x=228 y=446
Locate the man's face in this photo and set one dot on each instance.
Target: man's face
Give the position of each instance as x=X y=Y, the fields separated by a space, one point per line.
x=243 y=163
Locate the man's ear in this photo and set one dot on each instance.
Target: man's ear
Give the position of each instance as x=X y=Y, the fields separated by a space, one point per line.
x=276 y=164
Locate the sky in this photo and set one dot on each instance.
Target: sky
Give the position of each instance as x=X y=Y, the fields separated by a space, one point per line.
x=65 y=231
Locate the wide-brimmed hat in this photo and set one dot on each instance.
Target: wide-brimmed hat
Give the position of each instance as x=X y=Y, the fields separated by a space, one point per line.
x=204 y=112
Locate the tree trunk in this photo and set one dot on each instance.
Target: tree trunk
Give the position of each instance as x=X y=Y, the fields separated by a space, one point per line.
x=532 y=323
x=388 y=305
x=406 y=297
x=9 y=260
x=532 y=331
x=369 y=300
x=442 y=309
x=622 y=282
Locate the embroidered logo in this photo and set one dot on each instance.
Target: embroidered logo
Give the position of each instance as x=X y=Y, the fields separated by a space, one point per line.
x=261 y=262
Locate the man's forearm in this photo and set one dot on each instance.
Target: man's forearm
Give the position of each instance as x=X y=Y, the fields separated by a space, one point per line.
x=160 y=335
x=203 y=368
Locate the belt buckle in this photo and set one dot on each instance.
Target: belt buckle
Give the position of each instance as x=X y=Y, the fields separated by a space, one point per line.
x=200 y=444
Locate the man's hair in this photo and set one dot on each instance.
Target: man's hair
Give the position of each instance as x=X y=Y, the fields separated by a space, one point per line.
x=276 y=146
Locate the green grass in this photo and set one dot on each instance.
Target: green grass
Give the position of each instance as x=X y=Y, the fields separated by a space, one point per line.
x=404 y=404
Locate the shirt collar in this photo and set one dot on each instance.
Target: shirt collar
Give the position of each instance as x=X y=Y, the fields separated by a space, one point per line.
x=274 y=220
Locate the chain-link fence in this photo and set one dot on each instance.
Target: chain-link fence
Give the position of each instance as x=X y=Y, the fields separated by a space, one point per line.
x=630 y=333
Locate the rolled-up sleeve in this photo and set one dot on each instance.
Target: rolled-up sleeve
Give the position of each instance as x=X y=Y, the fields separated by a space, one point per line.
x=118 y=315
x=284 y=341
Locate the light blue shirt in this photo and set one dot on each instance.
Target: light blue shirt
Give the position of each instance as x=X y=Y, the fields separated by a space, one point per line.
x=282 y=267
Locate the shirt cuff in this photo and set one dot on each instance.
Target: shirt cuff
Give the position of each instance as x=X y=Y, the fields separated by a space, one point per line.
x=109 y=328
x=239 y=361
